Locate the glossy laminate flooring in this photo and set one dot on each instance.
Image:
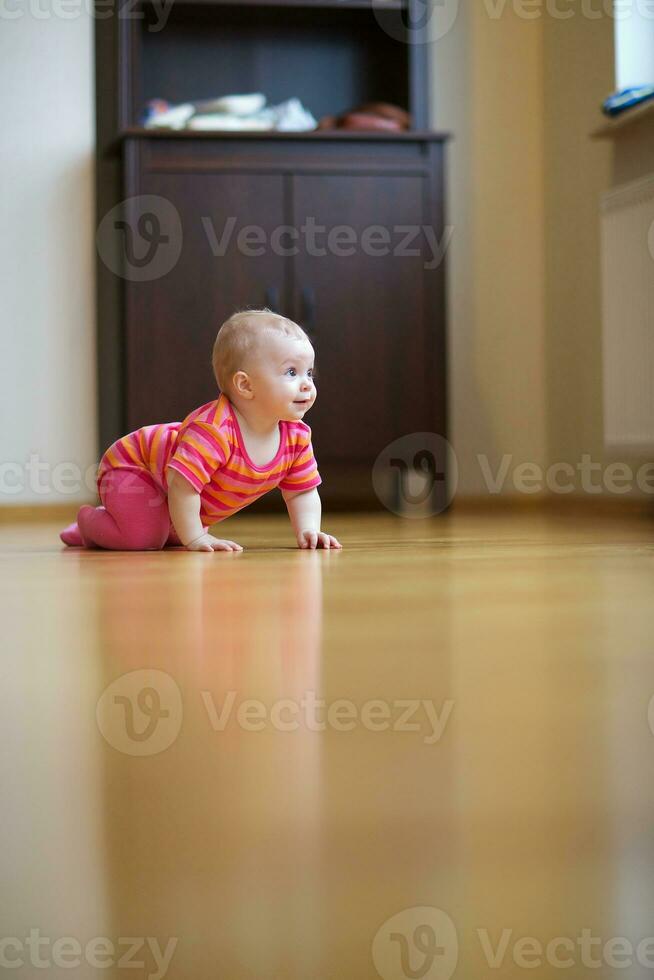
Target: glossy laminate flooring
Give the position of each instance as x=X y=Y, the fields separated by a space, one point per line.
x=428 y=755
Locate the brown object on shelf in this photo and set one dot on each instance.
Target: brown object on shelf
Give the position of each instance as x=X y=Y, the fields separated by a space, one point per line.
x=328 y=122
x=366 y=121
x=370 y=116
x=387 y=111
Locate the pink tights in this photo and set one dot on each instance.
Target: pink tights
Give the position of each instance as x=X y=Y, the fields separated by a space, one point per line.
x=134 y=516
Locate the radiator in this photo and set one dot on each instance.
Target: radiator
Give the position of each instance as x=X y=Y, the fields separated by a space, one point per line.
x=627 y=243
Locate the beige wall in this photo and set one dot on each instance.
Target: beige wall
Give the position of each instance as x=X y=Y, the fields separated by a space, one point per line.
x=579 y=66
x=521 y=97
x=487 y=84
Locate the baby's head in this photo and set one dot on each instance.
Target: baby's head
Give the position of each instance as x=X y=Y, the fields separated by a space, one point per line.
x=260 y=356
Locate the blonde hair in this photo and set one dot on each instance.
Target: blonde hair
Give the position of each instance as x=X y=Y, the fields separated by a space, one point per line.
x=241 y=335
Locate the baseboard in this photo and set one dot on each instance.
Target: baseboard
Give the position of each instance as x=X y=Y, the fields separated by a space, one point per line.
x=487 y=504
x=40 y=513
x=554 y=503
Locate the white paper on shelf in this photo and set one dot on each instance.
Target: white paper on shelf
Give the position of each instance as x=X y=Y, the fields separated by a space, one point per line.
x=221 y=120
x=233 y=105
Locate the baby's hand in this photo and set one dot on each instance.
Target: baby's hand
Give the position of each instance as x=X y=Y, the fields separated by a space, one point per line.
x=207 y=542
x=317 y=539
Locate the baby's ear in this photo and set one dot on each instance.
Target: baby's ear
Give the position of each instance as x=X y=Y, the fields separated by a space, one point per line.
x=242 y=384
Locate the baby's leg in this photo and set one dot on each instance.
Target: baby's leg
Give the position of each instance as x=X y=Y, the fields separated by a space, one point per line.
x=173 y=539
x=134 y=515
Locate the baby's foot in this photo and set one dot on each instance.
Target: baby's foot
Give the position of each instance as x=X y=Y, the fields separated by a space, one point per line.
x=71 y=536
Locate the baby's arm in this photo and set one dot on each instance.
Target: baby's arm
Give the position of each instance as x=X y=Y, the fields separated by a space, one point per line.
x=184 y=507
x=304 y=510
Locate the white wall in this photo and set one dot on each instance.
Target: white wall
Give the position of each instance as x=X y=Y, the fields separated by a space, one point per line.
x=47 y=321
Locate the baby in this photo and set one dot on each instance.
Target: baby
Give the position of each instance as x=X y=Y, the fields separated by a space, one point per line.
x=165 y=484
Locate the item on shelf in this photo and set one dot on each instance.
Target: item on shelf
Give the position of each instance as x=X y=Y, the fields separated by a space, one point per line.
x=370 y=116
x=224 y=120
x=366 y=120
x=234 y=105
x=627 y=98
x=230 y=112
x=160 y=113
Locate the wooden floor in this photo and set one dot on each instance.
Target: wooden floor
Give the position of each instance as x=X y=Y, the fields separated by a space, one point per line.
x=397 y=760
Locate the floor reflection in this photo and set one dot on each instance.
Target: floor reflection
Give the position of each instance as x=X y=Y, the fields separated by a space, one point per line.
x=216 y=840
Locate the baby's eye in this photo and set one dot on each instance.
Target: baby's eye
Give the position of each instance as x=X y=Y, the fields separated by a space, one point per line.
x=291 y=371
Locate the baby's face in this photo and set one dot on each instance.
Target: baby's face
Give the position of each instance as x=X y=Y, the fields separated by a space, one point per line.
x=282 y=377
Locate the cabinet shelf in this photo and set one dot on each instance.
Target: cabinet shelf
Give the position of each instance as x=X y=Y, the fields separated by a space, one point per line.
x=332 y=56
x=410 y=135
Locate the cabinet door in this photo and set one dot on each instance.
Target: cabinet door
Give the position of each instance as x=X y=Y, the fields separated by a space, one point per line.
x=172 y=320
x=365 y=310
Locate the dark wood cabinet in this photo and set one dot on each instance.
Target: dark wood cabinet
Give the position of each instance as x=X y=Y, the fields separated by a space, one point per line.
x=337 y=230
x=172 y=321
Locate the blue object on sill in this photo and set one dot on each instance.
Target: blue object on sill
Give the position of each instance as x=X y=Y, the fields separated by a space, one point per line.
x=627 y=98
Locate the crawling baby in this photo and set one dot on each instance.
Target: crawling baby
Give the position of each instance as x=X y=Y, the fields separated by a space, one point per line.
x=164 y=485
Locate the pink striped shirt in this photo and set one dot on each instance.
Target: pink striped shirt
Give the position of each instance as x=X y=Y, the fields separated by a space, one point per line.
x=207 y=448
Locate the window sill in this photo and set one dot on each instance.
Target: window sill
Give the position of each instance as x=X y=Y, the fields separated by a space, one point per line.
x=613 y=127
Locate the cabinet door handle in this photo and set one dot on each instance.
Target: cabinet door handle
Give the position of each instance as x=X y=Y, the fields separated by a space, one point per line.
x=272 y=298
x=309 y=308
